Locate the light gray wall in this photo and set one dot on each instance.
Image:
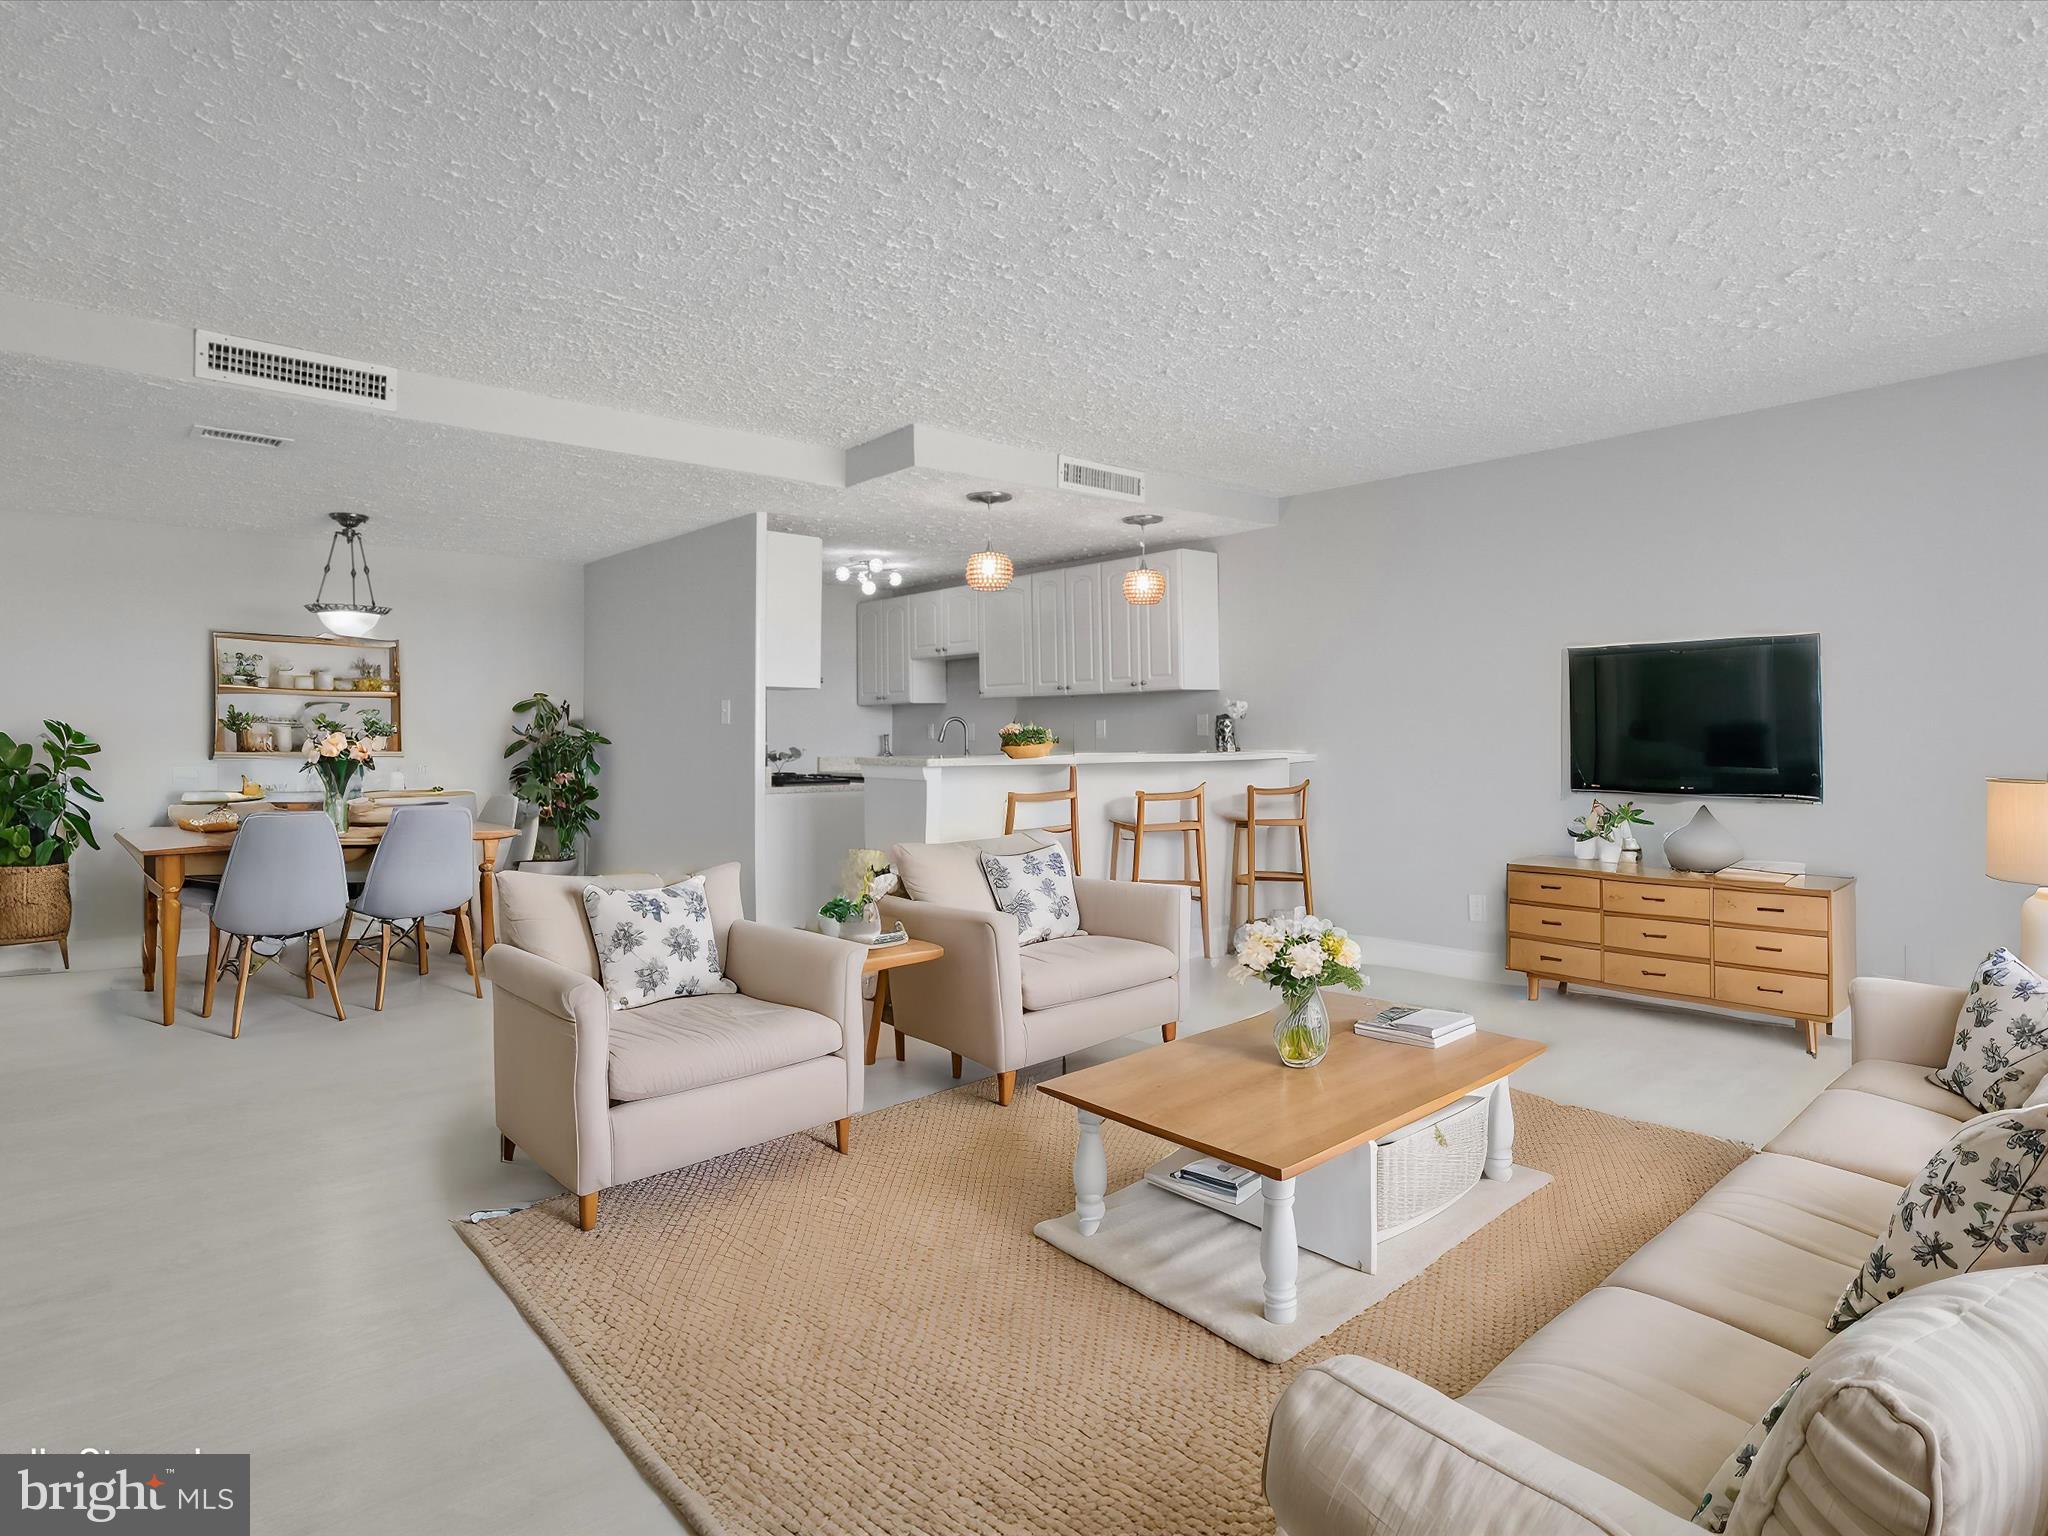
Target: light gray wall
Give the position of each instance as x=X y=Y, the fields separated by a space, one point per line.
x=828 y=721
x=105 y=624
x=670 y=635
x=1413 y=631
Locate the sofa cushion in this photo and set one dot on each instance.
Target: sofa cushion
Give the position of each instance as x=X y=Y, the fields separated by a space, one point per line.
x=543 y=914
x=1037 y=889
x=1087 y=965
x=949 y=874
x=692 y=1042
x=655 y=944
x=2000 y=1052
x=1907 y=1083
x=1981 y=1204
x=1767 y=1249
x=1926 y=1416
x=1725 y=1486
x=1865 y=1133
x=1638 y=1389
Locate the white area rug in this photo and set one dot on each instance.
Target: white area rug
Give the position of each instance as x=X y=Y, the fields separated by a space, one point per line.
x=1205 y=1265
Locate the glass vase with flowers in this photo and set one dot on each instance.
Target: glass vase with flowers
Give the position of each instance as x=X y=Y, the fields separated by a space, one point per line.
x=1300 y=955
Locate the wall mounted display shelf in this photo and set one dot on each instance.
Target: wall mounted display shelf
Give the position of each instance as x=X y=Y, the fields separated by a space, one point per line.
x=274 y=696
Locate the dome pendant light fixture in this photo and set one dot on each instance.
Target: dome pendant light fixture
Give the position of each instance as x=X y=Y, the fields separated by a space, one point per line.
x=353 y=618
x=1144 y=586
x=989 y=570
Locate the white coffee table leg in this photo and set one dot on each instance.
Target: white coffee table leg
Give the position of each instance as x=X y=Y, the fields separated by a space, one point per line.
x=1278 y=1256
x=1091 y=1173
x=1500 y=1134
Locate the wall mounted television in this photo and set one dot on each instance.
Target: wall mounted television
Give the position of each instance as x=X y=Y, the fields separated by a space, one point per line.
x=1734 y=718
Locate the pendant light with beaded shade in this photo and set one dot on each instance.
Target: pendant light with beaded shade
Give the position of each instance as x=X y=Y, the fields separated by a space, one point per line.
x=989 y=570
x=1144 y=586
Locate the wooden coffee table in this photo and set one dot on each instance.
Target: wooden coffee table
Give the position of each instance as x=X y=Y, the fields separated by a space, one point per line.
x=1225 y=1093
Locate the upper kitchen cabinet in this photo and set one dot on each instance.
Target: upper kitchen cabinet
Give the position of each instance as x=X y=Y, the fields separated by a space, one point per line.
x=1070 y=631
x=1171 y=644
x=1066 y=630
x=885 y=671
x=1005 y=630
x=942 y=624
x=793 y=599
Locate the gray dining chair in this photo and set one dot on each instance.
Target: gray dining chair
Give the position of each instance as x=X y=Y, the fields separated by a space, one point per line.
x=422 y=866
x=284 y=880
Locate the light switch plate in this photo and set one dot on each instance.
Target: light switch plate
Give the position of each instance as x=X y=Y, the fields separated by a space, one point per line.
x=1205 y=727
x=725 y=711
x=1475 y=908
x=1101 y=729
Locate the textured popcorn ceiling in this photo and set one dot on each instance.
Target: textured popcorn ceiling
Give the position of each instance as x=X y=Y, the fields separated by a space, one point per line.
x=95 y=442
x=1279 y=245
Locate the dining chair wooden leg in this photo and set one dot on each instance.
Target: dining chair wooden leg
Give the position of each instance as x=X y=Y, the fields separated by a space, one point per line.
x=1116 y=848
x=419 y=941
x=1308 y=885
x=1202 y=887
x=347 y=921
x=241 y=985
x=327 y=970
x=212 y=969
x=476 y=977
x=383 y=961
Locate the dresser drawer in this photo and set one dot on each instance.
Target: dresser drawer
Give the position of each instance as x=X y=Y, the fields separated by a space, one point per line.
x=1657 y=936
x=1644 y=900
x=1543 y=959
x=1772 y=909
x=1560 y=925
x=1806 y=996
x=1554 y=890
x=1768 y=950
x=1685 y=978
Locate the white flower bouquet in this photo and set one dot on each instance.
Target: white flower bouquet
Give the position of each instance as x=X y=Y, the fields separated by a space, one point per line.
x=1299 y=954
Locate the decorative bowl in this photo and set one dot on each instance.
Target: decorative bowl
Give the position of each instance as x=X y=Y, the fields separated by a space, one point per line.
x=215 y=821
x=1029 y=749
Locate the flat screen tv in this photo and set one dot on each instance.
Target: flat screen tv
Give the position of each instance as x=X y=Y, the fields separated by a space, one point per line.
x=1699 y=717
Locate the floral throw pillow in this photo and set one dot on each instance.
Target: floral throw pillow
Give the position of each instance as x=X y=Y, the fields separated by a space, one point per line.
x=1981 y=1203
x=654 y=944
x=2000 y=1053
x=1718 y=1502
x=1037 y=889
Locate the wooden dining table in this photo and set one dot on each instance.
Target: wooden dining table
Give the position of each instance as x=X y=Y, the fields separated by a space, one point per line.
x=169 y=856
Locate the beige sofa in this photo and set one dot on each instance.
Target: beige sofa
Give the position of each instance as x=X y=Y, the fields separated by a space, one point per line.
x=1929 y=1416
x=600 y=1097
x=1009 y=1005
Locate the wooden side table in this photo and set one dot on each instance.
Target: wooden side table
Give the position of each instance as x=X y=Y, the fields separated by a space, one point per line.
x=879 y=964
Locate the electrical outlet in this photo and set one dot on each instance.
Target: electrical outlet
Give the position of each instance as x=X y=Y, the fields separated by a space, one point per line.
x=1101 y=730
x=1475 y=908
x=970 y=733
x=932 y=731
x=1205 y=727
x=725 y=711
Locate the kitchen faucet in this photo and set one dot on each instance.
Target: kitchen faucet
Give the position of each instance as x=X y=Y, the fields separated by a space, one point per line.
x=950 y=722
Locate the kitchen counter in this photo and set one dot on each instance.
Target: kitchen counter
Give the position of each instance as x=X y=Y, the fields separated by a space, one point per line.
x=874 y=767
x=814 y=789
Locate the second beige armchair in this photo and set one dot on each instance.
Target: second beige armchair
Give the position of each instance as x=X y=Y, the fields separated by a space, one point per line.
x=1009 y=1005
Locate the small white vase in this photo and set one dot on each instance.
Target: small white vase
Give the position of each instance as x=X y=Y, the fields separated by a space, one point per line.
x=1610 y=852
x=865 y=927
x=1586 y=848
x=829 y=926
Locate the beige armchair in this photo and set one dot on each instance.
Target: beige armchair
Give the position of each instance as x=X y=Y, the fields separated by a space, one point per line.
x=600 y=1097
x=1009 y=1005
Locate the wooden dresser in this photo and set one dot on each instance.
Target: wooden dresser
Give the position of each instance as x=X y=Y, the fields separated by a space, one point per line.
x=1765 y=943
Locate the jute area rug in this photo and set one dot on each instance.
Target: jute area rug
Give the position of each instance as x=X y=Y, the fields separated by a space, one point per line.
x=787 y=1340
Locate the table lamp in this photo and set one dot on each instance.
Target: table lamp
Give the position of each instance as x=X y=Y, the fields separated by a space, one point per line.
x=2016 y=849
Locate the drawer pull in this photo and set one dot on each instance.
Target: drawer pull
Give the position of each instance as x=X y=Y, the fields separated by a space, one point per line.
x=1779 y=910
x=1553 y=959
x=1649 y=935
x=1653 y=973
x=1776 y=991
x=1769 y=949
x=1549 y=887
x=1650 y=898
x=1550 y=922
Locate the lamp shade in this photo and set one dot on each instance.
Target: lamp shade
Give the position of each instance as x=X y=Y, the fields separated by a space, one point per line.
x=989 y=570
x=2016 y=830
x=1144 y=586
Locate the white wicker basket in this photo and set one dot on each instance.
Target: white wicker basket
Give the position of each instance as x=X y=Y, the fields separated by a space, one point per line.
x=1424 y=1167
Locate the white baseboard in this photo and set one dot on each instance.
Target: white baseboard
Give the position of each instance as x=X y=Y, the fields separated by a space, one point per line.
x=1437 y=959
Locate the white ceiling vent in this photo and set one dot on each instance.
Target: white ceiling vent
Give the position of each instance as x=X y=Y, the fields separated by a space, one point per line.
x=231 y=435
x=286 y=371
x=1101 y=480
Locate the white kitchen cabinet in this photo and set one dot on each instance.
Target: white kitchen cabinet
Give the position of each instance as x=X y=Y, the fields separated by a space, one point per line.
x=885 y=671
x=1049 y=638
x=793 y=594
x=1004 y=625
x=942 y=624
x=1171 y=644
x=1084 y=623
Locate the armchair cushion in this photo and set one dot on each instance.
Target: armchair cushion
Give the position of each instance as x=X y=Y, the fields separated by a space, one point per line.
x=682 y=1043
x=655 y=944
x=949 y=874
x=1037 y=889
x=1087 y=965
x=543 y=915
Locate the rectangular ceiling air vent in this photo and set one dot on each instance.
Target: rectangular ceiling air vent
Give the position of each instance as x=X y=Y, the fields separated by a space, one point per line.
x=287 y=371
x=230 y=435
x=1101 y=480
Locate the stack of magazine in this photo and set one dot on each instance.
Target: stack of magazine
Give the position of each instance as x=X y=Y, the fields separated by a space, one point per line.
x=1214 y=1177
x=1426 y=1027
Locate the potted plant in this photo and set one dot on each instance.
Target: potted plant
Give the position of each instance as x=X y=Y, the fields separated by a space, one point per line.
x=1026 y=740
x=43 y=819
x=1300 y=955
x=248 y=669
x=338 y=760
x=1605 y=832
x=556 y=776
x=242 y=727
x=851 y=914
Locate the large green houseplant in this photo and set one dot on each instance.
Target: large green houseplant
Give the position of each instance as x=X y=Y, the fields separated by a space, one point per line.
x=43 y=820
x=557 y=776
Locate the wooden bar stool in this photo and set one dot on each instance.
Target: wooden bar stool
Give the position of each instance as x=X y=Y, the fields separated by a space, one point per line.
x=1247 y=821
x=1072 y=828
x=1128 y=817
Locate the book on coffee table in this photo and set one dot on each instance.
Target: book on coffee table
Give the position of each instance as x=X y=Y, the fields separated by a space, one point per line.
x=1408 y=1037
x=1213 y=1176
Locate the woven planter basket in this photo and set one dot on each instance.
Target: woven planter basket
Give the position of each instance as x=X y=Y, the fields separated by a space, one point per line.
x=35 y=906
